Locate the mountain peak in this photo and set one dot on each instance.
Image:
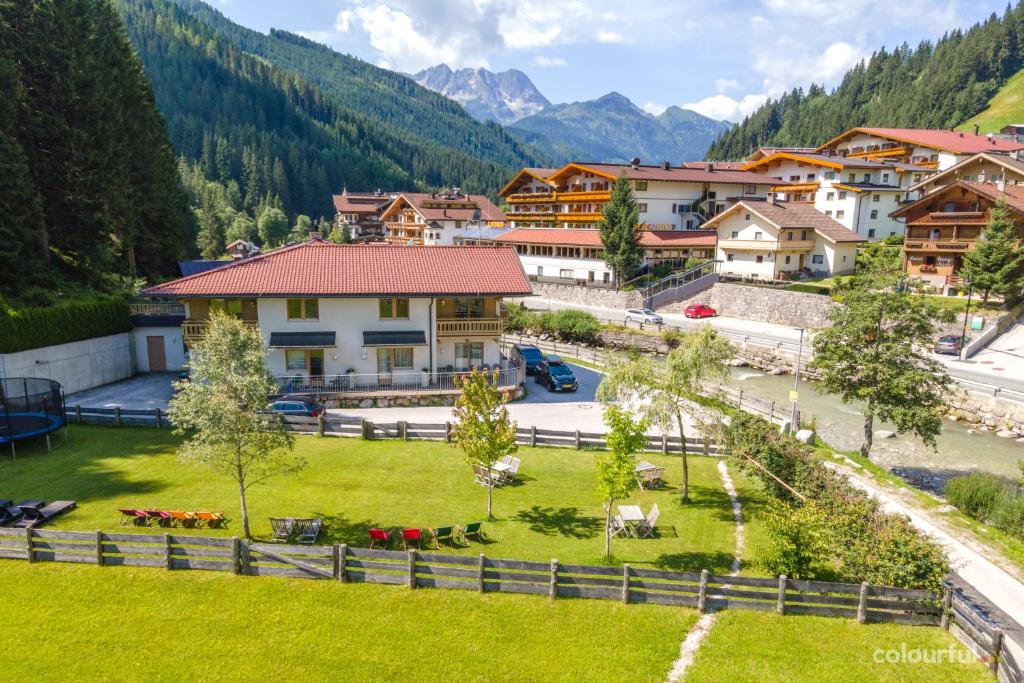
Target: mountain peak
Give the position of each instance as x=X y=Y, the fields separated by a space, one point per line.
x=505 y=96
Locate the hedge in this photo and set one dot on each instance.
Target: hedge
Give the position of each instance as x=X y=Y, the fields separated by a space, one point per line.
x=808 y=288
x=33 y=328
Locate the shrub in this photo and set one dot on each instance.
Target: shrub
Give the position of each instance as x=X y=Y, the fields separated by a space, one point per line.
x=32 y=328
x=977 y=494
x=520 y=318
x=808 y=288
x=672 y=337
x=570 y=325
x=796 y=541
x=1008 y=515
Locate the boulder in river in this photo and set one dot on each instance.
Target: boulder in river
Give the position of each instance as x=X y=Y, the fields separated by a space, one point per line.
x=884 y=434
x=1006 y=434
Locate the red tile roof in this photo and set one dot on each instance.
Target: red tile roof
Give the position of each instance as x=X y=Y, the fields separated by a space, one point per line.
x=592 y=238
x=324 y=269
x=361 y=202
x=794 y=215
x=680 y=174
x=441 y=207
x=954 y=141
x=1013 y=194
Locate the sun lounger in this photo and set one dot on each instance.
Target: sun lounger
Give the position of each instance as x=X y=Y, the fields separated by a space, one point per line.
x=308 y=530
x=471 y=529
x=443 y=533
x=282 y=528
x=182 y=518
x=11 y=514
x=37 y=516
x=381 y=536
x=161 y=517
x=210 y=519
x=411 y=537
x=133 y=516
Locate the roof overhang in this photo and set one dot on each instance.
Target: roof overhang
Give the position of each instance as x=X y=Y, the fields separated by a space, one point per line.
x=573 y=167
x=518 y=176
x=790 y=156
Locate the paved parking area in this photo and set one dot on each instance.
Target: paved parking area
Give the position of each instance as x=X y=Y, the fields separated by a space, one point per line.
x=142 y=392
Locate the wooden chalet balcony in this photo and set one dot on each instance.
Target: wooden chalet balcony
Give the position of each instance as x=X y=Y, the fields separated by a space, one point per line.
x=470 y=327
x=193 y=330
x=767 y=245
x=797 y=188
x=530 y=197
x=576 y=217
x=958 y=216
x=530 y=215
x=587 y=196
x=873 y=151
x=156 y=308
x=937 y=245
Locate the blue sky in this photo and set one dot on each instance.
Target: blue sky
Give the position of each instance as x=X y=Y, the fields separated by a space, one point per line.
x=720 y=57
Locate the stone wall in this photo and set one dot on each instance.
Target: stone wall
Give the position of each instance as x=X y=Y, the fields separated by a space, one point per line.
x=411 y=400
x=989 y=413
x=797 y=309
x=77 y=366
x=588 y=296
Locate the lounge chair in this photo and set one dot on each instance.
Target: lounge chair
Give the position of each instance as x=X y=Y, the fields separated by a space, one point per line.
x=211 y=519
x=132 y=516
x=411 y=537
x=182 y=518
x=9 y=514
x=282 y=528
x=379 y=536
x=646 y=528
x=308 y=530
x=37 y=516
x=471 y=529
x=161 y=517
x=441 y=533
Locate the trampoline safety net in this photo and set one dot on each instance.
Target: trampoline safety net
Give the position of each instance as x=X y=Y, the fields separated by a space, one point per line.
x=29 y=406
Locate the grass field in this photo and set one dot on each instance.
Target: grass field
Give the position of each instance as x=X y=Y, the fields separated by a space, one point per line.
x=354 y=485
x=1007 y=106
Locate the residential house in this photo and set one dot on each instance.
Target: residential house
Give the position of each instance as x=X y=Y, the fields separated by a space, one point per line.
x=437 y=218
x=344 y=319
x=984 y=167
x=242 y=249
x=935 y=149
x=360 y=211
x=670 y=197
x=945 y=224
x=858 y=193
x=576 y=256
x=772 y=240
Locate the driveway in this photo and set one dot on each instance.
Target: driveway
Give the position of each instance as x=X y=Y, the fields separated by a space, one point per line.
x=588 y=380
x=142 y=392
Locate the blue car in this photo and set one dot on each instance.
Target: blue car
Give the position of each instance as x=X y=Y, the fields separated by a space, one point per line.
x=531 y=356
x=295 y=405
x=556 y=375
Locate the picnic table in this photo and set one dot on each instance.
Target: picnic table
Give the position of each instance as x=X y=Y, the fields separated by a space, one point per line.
x=501 y=467
x=631 y=516
x=643 y=466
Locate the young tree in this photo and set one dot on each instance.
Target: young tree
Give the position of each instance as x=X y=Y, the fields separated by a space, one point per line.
x=616 y=469
x=272 y=224
x=664 y=392
x=876 y=351
x=618 y=228
x=301 y=229
x=482 y=428
x=996 y=263
x=345 y=237
x=221 y=409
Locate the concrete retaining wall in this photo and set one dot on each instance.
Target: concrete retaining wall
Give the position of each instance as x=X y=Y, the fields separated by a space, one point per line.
x=77 y=366
x=797 y=309
x=588 y=296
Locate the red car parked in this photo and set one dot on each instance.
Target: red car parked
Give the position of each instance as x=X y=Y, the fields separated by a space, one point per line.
x=700 y=311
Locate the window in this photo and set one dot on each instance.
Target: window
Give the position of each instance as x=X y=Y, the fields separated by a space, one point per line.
x=803 y=234
x=735 y=234
x=760 y=259
x=469 y=355
x=398 y=358
x=830 y=175
x=842 y=195
x=565 y=273
x=395 y=309
x=871 y=232
x=232 y=307
x=606 y=277
x=311 y=361
x=817 y=259
x=643 y=208
x=295 y=360
x=874 y=213
x=758 y=235
x=789 y=237
x=303 y=309
x=828 y=212
x=794 y=178
x=787 y=259
x=852 y=177
x=885 y=177
x=811 y=176
x=673 y=208
x=867 y=177
x=750 y=189
x=830 y=196
x=746 y=217
x=640 y=185
x=474 y=308
x=728 y=257
x=876 y=197
x=840 y=213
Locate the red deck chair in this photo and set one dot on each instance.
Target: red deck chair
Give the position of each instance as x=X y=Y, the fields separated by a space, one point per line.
x=379 y=536
x=161 y=517
x=130 y=516
x=411 y=537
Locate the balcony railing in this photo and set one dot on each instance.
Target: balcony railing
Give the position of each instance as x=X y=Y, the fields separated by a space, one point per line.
x=398 y=382
x=156 y=308
x=585 y=196
x=530 y=197
x=530 y=215
x=876 y=151
x=577 y=217
x=937 y=245
x=194 y=330
x=767 y=245
x=470 y=327
x=957 y=216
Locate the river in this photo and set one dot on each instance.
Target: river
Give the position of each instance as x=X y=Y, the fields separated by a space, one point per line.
x=957 y=450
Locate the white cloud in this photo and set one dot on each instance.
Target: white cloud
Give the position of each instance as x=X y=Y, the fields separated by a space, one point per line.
x=542 y=61
x=653 y=108
x=725 y=108
x=783 y=69
x=606 y=36
x=723 y=85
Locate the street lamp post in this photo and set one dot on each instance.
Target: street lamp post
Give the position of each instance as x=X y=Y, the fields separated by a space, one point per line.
x=967 y=315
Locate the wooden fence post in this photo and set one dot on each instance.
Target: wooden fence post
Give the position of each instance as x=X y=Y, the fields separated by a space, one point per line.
x=159 y=419
x=997 y=651
x=578 y=443
x=117 y=415
x=947 y=607
x=533 y=435
x=862 y=605
x=781 y=606
x=320 y=423
x=625 y=583
x=702 y=594
x=246 y=558
x=236 y=555
x=412 y=569
x=553 y=583
x=342 y=558
x=403 y=430
x=78 y=414
x=99 y=547
x=480 y=573
x=29 y=553
x=167 y=551
x=448 y=432
x=362 y=427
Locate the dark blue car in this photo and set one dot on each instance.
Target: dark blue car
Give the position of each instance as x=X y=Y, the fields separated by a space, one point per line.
x=556 y=375
x=531 y=356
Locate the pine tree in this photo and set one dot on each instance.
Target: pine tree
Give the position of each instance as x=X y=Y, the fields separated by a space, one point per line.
x=996 y=263
x=618 y=228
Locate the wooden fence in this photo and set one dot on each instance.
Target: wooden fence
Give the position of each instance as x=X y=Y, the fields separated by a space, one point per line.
x=418 y=569
x=983 y=637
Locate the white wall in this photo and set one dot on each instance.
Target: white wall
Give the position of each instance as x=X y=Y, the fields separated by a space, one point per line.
x=553 y=265
x=174 y=349
x=77 y=366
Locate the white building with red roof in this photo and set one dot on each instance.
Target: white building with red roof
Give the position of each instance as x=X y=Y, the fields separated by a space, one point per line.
x=365 y=320
x=437 y=218
x=360 y=211
x=933 y=148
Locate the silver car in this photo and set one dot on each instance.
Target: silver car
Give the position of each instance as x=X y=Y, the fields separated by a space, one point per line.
x=643 y=315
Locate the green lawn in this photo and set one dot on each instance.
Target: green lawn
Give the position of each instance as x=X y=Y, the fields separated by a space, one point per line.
x=751 y=646
x=1007 y=106
x=120 y=624
x=353 y=485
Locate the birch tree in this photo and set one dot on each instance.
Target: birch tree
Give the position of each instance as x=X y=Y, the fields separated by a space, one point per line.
x=616 y=469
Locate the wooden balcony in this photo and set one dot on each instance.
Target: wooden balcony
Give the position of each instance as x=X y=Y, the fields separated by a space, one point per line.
x=470 y=327
x=530 y=197
x=875 y=151
x=958 y=216
x=576 y=217
x=194 y=330
x=588 y=196
x=766 y=245
x=937 y=245
x=156 y=308
x=530 y=215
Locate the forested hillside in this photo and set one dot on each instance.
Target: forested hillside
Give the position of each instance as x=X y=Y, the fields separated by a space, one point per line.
x=936 y=85
x=88 y=185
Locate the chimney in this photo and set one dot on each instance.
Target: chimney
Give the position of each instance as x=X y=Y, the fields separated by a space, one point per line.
x=1001 y=183
x=665 y=165
x=635 y=163
x=709 y=167
x=977 y=128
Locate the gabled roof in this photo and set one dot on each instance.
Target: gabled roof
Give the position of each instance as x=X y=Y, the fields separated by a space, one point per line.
x=679 y=174
x=953 y=141
x=799 y=215
x=361 y=202
x=445 y=207
x=324 y=269
x=592 y=238
x=762 y=152
x=1004 y=160
x=1014 y=195
x=528 y=173
x=197 y=266
x=833 y=161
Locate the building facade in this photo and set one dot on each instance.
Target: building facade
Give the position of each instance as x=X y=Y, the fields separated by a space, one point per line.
x=360 y=211
x=771 y=240
x=931 y=148
x=985 y=167
x=439 y=218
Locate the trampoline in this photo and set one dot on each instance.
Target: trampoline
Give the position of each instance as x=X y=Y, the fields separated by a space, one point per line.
x=30 y=407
